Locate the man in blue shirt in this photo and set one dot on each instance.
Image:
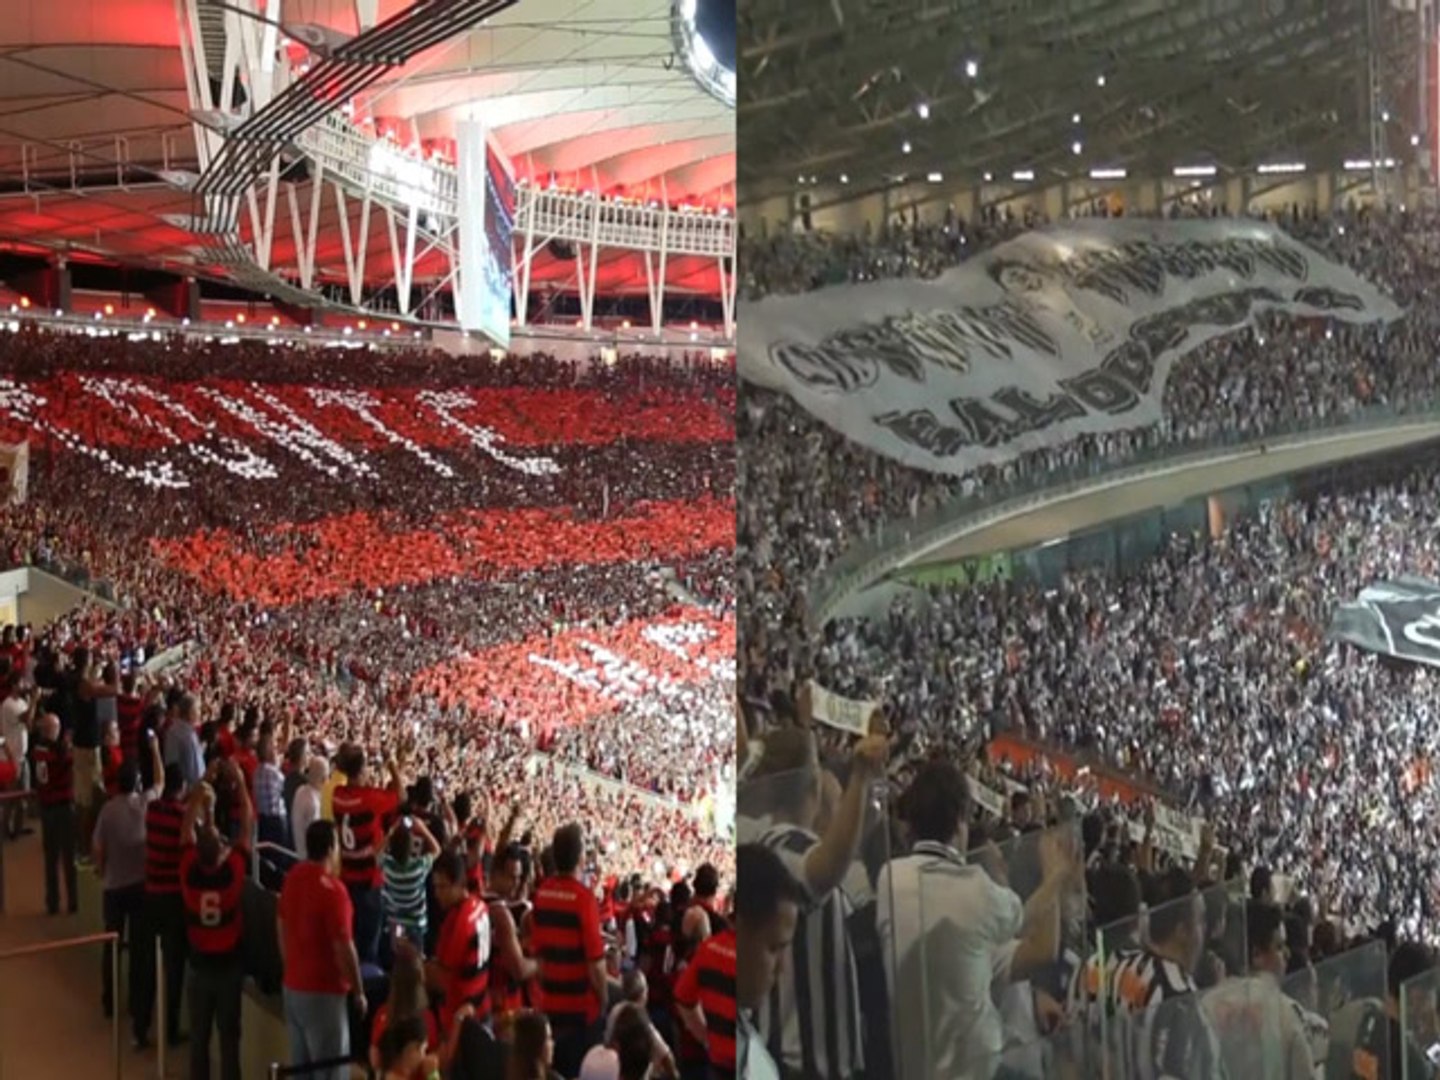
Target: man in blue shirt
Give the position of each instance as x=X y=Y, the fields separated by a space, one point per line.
x=182 y=742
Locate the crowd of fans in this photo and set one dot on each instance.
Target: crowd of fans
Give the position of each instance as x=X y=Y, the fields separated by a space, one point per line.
x=1203 y=670
x=444 y=713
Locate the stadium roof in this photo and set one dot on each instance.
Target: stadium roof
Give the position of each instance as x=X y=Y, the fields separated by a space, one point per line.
x=843 y=87
x=93 y=108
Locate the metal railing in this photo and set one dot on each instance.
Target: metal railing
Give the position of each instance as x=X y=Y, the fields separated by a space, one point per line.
x=7 y=799
x=278 y=849
x=113 y=939
x=889 y=548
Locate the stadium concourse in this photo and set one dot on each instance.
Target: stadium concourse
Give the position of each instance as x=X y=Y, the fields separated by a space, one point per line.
x=1220 y=821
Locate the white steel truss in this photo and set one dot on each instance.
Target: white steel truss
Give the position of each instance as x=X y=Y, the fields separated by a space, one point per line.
x=417 y=199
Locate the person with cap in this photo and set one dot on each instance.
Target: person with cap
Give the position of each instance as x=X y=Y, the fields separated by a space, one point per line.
x=212 y=883
x=118 y=851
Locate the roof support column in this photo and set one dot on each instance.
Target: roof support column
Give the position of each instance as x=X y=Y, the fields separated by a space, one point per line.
x=587 y=296
x=727 y=297
x=527 y=221
x=657 y=296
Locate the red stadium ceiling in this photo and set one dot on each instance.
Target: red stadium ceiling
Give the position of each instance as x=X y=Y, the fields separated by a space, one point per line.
x=583 y=93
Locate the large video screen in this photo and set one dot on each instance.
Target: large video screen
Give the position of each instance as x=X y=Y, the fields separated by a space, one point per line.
x=487 y=222
x=499 y=288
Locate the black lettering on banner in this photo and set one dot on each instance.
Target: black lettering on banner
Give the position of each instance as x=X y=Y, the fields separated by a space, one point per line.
x=1161 y=331
x=1142 y=265
x=1284 y=258
x=1012 y=320
x=825 y=368
x=982 y=425
x=1102 y=392
x=941 y=340
x=1034 y=414
x=1328 y=299
x=1234 y=255
x=1133 y=363
x=920 y=428
x=895 y=351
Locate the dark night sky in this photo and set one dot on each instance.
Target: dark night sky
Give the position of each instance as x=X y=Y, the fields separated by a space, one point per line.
x=716 y=22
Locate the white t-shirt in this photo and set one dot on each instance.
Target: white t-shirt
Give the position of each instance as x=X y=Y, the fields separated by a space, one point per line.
x=12 y=727
x=946 y=929
x=1259 y=1029
x=303 y=813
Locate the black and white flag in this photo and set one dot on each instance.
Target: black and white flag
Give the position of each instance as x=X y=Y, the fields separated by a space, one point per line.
x=1066 y=331
x=1399 y=618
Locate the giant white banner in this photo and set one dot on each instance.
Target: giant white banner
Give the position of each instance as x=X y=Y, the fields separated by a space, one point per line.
x=1066 y=331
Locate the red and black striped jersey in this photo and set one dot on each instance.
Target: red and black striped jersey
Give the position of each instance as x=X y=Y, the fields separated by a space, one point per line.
x=212 y=896
x=709 y=982
x=567 y=941
x=54 y=769
x=463 y=950
x=163 y=818
x=361 y=816
x=129 y=710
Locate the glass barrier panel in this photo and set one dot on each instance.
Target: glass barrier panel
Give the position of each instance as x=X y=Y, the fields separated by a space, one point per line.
x=1046 y=1056
x=1339 y=1011
x=1418 y=1028
x=842 y=1012
x=975 y=977
x=1165 y=953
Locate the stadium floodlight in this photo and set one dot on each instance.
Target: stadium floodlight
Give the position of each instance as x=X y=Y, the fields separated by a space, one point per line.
x=1414 y=140
x=1076 y=147
x=844 y=178
x=905 y=147
x=705 y=67
x=1193 y=170
x=1099 y=80
x=1361 y=164
x=1075 y=118
x=935 y=177
x=1282 y=167
x=923 y=111
x=989 y=177
x=1024 y=175
x=972 y=69
x=1108 y=174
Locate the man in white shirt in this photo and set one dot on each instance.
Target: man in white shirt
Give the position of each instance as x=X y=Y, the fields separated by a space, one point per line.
x=949 y=932
x=309 y=799
x=1261 y=1029
x=15 y=728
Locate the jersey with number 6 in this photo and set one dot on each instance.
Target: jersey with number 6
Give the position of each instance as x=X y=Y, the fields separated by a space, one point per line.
x=212 y=897
x=361 y=816
x=463 y=950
